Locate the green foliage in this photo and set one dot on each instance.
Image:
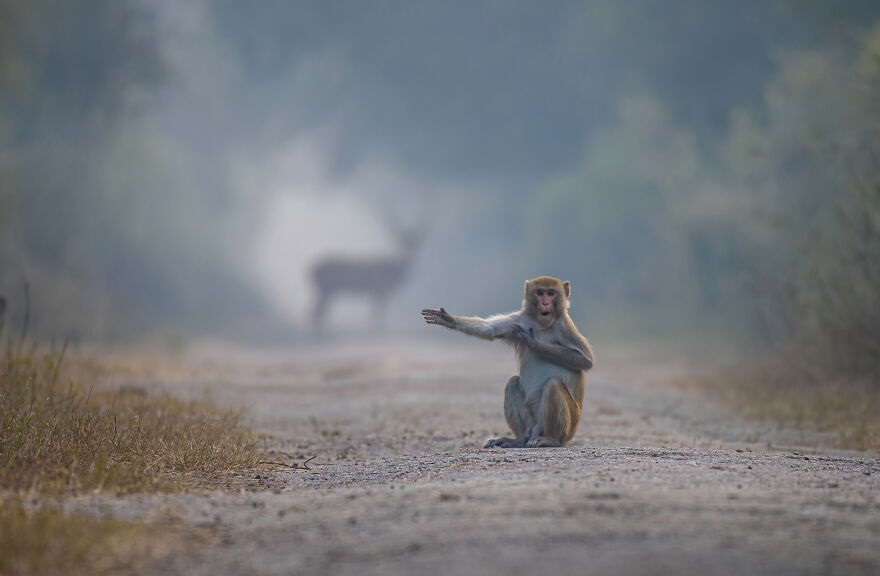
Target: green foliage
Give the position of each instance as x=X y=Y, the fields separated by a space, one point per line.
x=69 y=74
x=772 y=230
x=835 y=297
x=815 y=265
x=813 y=173
x=102 y=211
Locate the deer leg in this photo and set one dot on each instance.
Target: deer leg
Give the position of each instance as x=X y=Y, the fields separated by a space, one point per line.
x=380 y=306
x=320 y=311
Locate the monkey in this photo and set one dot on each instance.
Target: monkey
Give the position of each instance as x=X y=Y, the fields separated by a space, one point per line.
x=543 y=403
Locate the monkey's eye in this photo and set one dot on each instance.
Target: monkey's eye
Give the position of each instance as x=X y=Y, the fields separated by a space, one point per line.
x=539 y=292
x=551 y=292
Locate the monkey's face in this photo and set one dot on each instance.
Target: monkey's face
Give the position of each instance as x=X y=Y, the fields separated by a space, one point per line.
x=545 y=301
x=546 y=304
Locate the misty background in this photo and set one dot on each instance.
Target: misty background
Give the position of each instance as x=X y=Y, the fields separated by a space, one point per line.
x=691 y=167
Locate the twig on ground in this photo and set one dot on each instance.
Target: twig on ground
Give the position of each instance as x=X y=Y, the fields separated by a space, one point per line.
x=303 y=466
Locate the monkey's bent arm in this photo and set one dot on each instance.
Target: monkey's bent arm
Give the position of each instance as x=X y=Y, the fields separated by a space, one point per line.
x=490 y=328
x=573 y=358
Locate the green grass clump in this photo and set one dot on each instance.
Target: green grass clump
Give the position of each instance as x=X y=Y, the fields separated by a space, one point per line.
x=60 y=437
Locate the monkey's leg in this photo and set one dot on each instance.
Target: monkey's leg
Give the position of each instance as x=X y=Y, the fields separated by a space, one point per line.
x=559 y=416
x=517 y=414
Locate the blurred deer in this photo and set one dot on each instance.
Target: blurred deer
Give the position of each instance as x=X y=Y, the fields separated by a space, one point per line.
x=373 y=278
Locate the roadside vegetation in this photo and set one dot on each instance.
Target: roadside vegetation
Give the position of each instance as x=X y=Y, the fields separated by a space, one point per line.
x=819 y=363
x=816 y=362
x=60 y=437
x=46 y=542
x=809 y=251
x=779 y=390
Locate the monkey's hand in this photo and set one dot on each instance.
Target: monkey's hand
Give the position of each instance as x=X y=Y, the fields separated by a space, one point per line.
x=522 y=335
x=440 y=317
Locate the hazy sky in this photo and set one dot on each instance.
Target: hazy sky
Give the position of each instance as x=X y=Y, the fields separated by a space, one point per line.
x=452 y=114
x=285 y=131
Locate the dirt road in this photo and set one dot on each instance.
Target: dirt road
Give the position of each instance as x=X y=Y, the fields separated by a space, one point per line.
x=655 y=482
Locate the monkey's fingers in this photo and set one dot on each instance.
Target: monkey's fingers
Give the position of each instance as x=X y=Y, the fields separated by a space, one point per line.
x=519 y=334
x=439 y=317
x=432 y=312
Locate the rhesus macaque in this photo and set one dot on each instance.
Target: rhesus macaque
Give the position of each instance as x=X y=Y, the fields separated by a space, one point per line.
x=543 y=404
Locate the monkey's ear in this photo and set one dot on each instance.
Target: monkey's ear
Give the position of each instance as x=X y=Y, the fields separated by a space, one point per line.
x=566 y=287
x=527 y=285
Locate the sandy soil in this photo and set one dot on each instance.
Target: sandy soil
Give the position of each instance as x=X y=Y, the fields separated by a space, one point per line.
x=655 y=482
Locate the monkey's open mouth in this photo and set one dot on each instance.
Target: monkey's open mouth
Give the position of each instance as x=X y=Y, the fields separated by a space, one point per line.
x=545 y=313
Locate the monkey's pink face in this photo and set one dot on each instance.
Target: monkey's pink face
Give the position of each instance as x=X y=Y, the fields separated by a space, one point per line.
x=546 y=301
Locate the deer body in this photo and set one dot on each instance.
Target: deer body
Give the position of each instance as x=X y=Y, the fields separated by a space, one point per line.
x=373 y=278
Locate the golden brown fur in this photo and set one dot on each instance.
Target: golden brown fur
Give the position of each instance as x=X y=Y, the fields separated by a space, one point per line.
x=543 y=403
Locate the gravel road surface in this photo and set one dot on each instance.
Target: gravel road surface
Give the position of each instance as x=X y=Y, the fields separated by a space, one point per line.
x=655 y=482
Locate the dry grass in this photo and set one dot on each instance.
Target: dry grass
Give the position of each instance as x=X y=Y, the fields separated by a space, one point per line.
x=778 y=390
x=61 y=438
x=49 y=543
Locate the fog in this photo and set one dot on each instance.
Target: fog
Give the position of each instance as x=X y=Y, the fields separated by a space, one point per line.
x=181 y=168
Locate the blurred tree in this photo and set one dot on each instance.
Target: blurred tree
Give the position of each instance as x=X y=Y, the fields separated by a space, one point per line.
x=69 y=74
x=631 y=226
x=666 y=237
x=114 y=223
x=827 y=207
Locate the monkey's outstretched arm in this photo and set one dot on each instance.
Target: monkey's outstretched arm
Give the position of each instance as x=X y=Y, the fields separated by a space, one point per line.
x=487 y=328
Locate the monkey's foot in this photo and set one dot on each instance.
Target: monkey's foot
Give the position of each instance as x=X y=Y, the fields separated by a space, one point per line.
x=542 y=442
x=503 y=443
